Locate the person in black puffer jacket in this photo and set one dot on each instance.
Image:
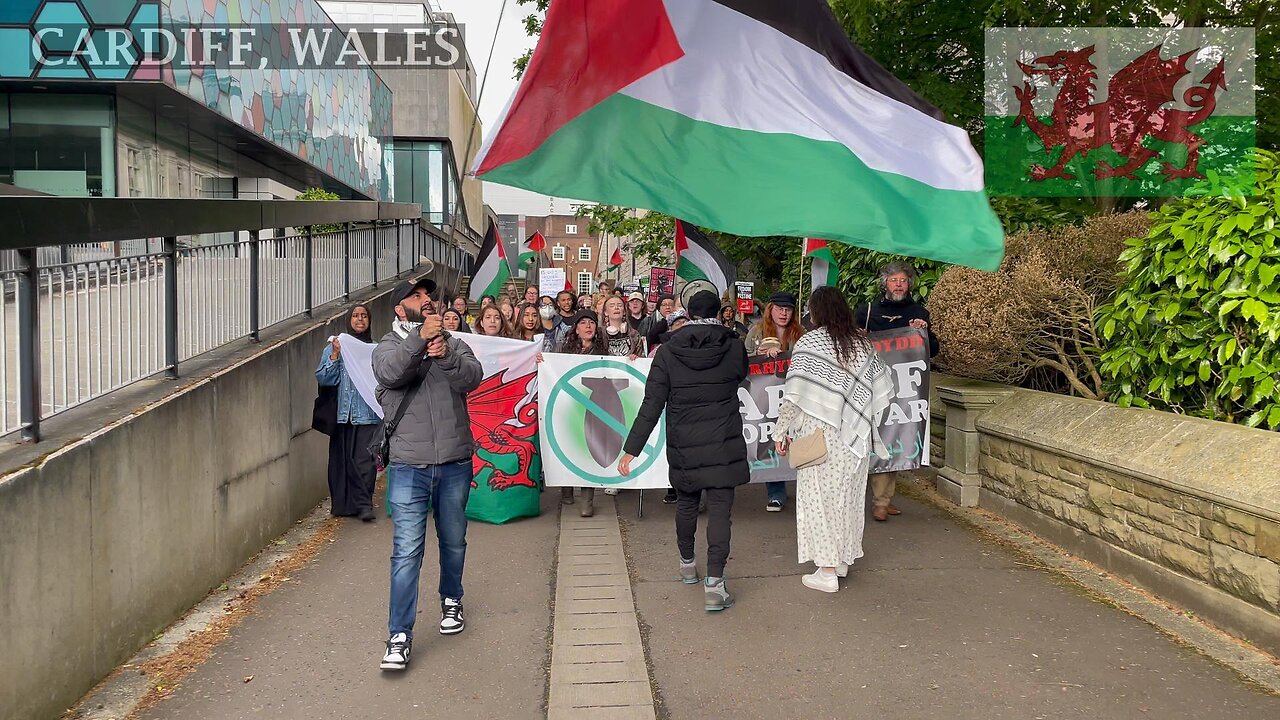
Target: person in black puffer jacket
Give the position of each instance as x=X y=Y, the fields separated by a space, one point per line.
x=695 y=377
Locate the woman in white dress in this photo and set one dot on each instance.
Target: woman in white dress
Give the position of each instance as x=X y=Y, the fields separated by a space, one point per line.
x=838 y=386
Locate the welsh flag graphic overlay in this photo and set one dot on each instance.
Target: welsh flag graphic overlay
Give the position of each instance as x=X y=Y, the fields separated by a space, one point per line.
x=1118 y=112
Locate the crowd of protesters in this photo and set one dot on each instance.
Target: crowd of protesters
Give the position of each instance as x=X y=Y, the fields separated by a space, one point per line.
x=835 y=389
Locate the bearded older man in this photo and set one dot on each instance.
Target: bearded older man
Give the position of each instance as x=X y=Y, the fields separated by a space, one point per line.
x=895 y=308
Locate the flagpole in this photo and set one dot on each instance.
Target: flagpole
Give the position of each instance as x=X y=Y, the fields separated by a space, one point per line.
x=800 y=299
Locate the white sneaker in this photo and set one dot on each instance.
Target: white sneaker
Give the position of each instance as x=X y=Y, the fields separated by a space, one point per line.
x=842 y=570
x=451 y=622
x=821 y=581
x=397 y=656
x=611 y=491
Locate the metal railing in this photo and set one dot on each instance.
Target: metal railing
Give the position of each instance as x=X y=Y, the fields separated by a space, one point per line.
x=81 y=320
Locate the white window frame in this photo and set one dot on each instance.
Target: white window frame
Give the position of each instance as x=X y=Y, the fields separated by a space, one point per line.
x=584 y=253
x=584 y=283
x=558 y=253
x=570 y=229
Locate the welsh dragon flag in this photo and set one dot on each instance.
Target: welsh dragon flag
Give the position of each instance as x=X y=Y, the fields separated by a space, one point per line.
x=697 y=258
x=825 y=270
x=754 y=117
x=491 y=271
x=504 y=423
x=530 y=248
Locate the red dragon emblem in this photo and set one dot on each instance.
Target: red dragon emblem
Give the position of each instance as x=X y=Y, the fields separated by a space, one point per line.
x=1132 y=111
x=504 y=423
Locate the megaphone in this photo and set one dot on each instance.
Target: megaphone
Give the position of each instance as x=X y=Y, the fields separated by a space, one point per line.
x=694 y=287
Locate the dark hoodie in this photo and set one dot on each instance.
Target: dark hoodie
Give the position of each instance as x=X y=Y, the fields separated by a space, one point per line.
x=695 y=377
x=885 y=314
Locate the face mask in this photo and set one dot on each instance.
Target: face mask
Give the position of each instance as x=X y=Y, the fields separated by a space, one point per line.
x=547 y=312
x=614 y=331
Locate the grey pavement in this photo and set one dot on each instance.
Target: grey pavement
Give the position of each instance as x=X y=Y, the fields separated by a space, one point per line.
x=935 y=622
x=313 y=646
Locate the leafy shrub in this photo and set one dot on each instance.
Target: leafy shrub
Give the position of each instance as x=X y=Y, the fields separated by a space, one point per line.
x=320 y=194
x=1194 y=326
x=1033 y=317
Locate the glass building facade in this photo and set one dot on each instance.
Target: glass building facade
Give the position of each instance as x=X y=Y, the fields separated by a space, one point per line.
x=82 y=128
x=424 y=174
x=58 y=144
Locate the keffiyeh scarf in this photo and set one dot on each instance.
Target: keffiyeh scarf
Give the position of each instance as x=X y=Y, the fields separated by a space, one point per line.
x=849 y=397
x=402 y=328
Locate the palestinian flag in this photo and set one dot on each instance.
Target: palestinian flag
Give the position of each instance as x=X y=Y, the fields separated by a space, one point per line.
x=491 y=271
x=615 y=260
x=753 y=117
x=697 y=258
x=532 y=246
x=825 y=270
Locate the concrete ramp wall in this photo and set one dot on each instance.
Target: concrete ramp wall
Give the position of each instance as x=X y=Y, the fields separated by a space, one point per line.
x=110 y=538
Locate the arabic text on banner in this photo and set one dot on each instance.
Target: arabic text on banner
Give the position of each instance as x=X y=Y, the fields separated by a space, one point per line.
x=504 y=424
x=903 y=437
x=902 y=440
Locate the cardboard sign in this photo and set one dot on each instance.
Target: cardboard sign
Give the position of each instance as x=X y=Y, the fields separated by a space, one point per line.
x=550 y=281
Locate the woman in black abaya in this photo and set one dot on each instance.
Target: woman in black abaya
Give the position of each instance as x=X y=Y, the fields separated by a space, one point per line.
x=351 y=465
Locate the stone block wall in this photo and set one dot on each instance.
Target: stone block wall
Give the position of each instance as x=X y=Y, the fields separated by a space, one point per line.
x=937 y=423
x=1187 y=508
x=1233 y=550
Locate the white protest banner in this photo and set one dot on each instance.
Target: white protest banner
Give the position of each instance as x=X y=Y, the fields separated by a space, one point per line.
x=587 y=404
x=357 y=358
x=550 y=281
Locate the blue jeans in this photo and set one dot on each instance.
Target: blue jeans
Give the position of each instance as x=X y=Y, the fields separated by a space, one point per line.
x=412 y=492
x=777 y=491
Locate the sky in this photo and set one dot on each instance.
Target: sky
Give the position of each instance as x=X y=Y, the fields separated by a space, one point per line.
x=479 y=19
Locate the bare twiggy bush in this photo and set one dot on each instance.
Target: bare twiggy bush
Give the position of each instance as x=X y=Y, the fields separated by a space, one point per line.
x=1037 y=310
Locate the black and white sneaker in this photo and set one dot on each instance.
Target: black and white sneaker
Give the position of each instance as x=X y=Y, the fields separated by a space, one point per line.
x=397 y=657
x=451 y=622
x=774 y=506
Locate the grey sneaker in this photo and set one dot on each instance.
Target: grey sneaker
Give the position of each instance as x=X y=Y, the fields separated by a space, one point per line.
x=689 y=572
x=716 y=595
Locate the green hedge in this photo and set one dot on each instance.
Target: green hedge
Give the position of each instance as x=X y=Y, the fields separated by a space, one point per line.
x=1195 y=324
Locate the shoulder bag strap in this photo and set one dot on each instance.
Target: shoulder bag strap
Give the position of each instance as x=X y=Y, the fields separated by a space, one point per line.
x=404 y=405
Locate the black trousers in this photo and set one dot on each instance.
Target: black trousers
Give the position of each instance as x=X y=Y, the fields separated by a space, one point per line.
x=351 y=470
x=719 y=510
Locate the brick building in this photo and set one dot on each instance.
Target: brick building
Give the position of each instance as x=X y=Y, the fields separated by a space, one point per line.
x=570 y=246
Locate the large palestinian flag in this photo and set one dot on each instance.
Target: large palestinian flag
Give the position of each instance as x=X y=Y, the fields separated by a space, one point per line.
x=491 y=271
x=754 y=117
x=697 y=258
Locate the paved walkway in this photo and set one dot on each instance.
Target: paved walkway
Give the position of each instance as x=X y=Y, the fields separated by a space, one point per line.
x=934 y=622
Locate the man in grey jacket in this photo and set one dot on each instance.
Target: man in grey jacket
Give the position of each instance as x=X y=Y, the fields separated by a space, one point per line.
x=430 y=463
